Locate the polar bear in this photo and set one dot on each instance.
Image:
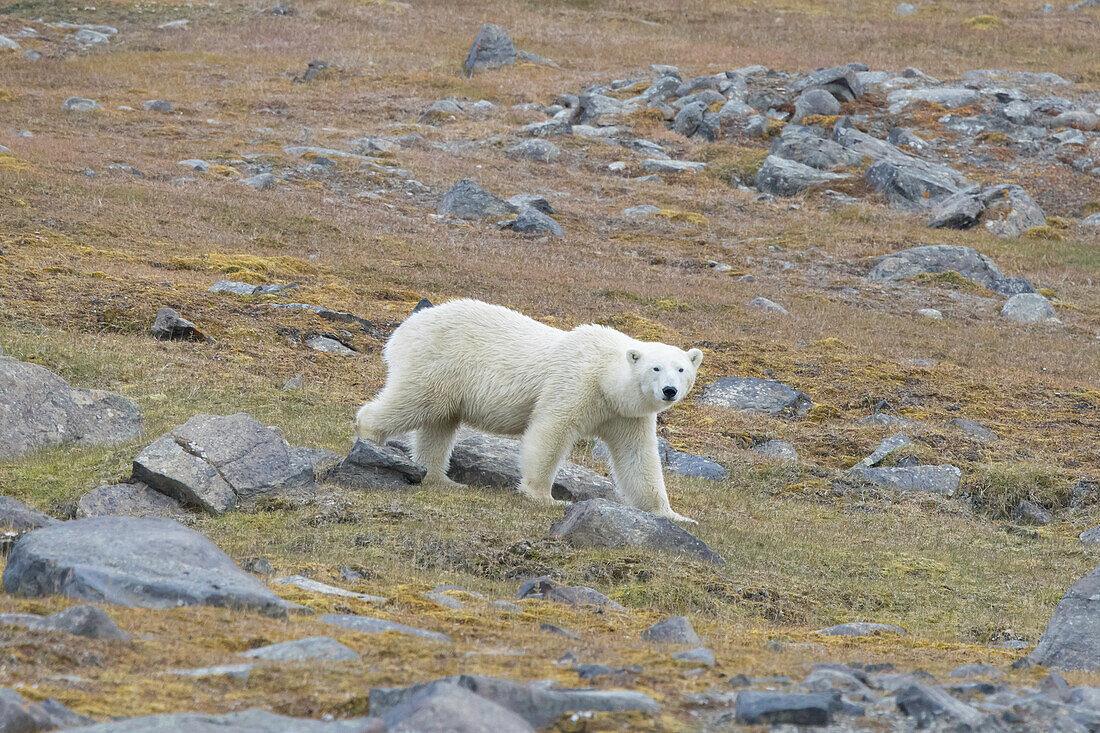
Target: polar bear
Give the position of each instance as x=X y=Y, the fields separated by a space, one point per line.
x=499 y=371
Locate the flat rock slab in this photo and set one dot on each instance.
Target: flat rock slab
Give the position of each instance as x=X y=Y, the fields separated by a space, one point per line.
x=539 y=705
x=311 y=648
x=699 y=655
x=80 y=620
x=23 y=716
x=943 y=258
x=40 y=409
x=605 y=524
x=370 y=625
x=861 y=628
x=15 y=516
x=779 y=708
x=130 y=561
x=299 y=581
x=755 y=395
x=236 y=671
x=247 y=721
x=884 y=449
x=1072 y=638
x=936 y=479
x=216 y=462
x=928 y=706
x=548 y=589
x=673 y=630
x=452 y=708
x=369 y=466
x=128 y=500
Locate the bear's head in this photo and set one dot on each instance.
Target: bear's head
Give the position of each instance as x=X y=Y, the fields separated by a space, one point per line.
x=664 y=373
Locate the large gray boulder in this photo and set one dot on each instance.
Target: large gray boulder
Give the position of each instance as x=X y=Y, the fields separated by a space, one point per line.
x=128 y=500
x=216 y=462
x=15 y=516
x=689 y=118
x=137 y=562
x=940 y=258
x=539 y=705
x=606 y=524
x=451 y=708
x=1027 y=308
x=467 y=200
x=782 y=177
x=40 y=409
x=369 y=466
x=914 y=183
x=934 y=479
x=492 y=48
x=246 y=721
x=1072 y=638
x=533 y=221
x=23 y=716
x=840 y=81
x=1010 y=211
x=299 y=650
x=810 y=149
x=814 y=102
x=546 y=588
x=755 y=395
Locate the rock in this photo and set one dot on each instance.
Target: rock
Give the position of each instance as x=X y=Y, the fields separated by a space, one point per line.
x=936 y=479
x=949 y=97
x=914 y=183
x=22 y=716
x=80 y=104
x=170 y=326
x=231 y=286
x=15 y=516
x=136 y=562
x=1090 y=536
x=260 y=181
x=689 y=464
x=158 y=105
x=442 y=111
x=782 y=177
x=547 y=128
x=861 y=628
x=329 y=345
x=90 y=37
x=885 y=448
x=1027 y=308
x=654 y=165
x=548 y=589
x=371 y=625
x=733 y=112
x=962 y=210
x=1092 y=220
x=247 y=721
x=941 y=258
x=596 y=107
x=81 y=620
x=887 y=421
x=931 y=313
x=768 y=306
x=313 y=586
x=689 y=118
x=699 y=655
x=452 y=708
x=216 y=462
x=234 y=671
x=1010 y=211
x=370 y=466
x=128 y=500
x=535 y=149
x=901 y=136
x=523 y=200
x=467 y=200
x=779 y=450
x=533 y=221
x=929 y=706
x=973 y=429
x=492 y=48
x=904 y=10
x=779 y=708
x=539 y=705
x=755 y=395
x=7 y=44
x=558 y=631
x=969 y=671
x=814 y=102
x=606 y=524
x=673 y=630
x=812 y=150
x=1028 y=512
x=40 y=409
x=313 y=647
x=840 y=81
x=442 y=599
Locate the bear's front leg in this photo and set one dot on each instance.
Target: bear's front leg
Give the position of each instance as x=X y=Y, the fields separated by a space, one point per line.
x=636 y=464
x=543 y=448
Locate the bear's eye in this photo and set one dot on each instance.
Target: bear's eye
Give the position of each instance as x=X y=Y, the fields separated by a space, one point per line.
x=656 y=369
x=681 y=369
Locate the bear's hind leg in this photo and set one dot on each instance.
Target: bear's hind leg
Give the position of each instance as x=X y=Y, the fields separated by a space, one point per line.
x=432 y=450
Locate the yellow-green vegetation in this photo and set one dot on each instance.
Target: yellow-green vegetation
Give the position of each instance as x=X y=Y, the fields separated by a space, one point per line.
x=984 y=22
x=950 y=279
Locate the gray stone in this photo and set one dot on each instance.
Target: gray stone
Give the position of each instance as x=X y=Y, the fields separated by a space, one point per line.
x=755 y=395
x=128 y=500
x=901 y=136
x=813 y=151
x=1010 y=211
x=969 y=671
x=539 y=705
x=326 y=313
x=82 y=620
x=732 y=113
x=15 y=516
x=216 y=462
x=936 y=479
x=547 y=128
x=938 y=258
x=779 y=450
x=689 y=464
x=699 y=655
x=442 y=599
x=370 y=466
x=949 y=97
x=169 y=325
x=313 y=586
x=596 y=107
x=7 y=44
x=962 y=210
x=329 y=345
x=904 y=10
x=558 y=631
x=782 y=177
x=779 y=708
x=522 y=201
x=861 y=628
x=451 y=708
x=235 y=671
x=260 y=181
x=80 y=104
x=1092 y=220
x=840 y=81
x=247 y=721
x=884 y=449
x=1027 y=308
x=814 y=102
x=548 y=589
x=1090 y=536
x=535 y=149
x=231 y=286
x=158 y=105
x=768 y=306
x=932 y=313
x=930 y=706
x=492 y=48
x=973 y=429
x=914 y=183
x=313 y=647
x=533 y=221
x=606 y=524
x=40 y=409
x=137 y=562
x=442 y=110
x=506 y=607
x=673 y=630
x=887 y=420
x=689 y=118
x=1028 y=512
x=467 y=200
x=654 y=165
x=23 y=716
x=371 y=625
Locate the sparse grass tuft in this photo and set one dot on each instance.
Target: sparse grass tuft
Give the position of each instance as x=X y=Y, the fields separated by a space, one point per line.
x=952 y=280
x=998 y=489
x=984 y=22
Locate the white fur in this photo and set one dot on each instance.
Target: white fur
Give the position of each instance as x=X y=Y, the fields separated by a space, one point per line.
x=499 y=371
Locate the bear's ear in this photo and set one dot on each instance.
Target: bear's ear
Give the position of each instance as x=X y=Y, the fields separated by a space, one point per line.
x=696 y=357
x=633 y=356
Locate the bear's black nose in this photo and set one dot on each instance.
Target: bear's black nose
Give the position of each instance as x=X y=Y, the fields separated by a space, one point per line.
x=669 y=392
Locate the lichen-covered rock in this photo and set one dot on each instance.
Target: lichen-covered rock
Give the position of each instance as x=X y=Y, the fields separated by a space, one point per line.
x=492 y=48
x=1027 y=308
x=755 y=395
x=467 y=200
x=935 y=479
x=369 y=466
x=548 y=589
x=15 y=516
x=128 y=500
x=782 y=177
x=942 y=258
